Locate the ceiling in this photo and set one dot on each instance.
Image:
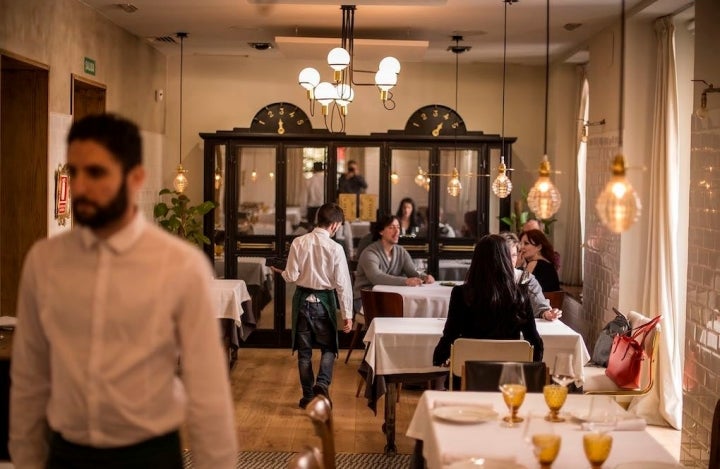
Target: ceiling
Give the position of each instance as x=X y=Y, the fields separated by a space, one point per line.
x=411 y=30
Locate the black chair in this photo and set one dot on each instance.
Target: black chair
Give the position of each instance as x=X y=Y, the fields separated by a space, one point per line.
x=484 y=376
x=715 y=438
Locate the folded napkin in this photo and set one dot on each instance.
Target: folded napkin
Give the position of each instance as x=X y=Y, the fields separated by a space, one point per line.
x=442 y=403
x=621 y=425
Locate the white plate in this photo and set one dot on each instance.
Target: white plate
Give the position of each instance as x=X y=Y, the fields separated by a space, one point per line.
x=647 y=465
x=485 y=463
x=465 y=413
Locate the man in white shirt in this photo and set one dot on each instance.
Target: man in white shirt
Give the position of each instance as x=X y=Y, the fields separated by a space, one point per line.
x=317 y=265
x=104 y=313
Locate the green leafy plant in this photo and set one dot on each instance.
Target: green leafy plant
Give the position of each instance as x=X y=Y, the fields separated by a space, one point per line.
x=182 y=218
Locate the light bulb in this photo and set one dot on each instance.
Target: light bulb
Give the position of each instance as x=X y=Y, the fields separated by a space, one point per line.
x=544 y=198
x=454 y=187
x=218 y=178
x=271 y=175
x=701 y=112
x=309 y=79
x=420 y=177
x=180 y=182
x=253 y=176
x=325 y=93
x=345 y=96
x=426 y=184
x=502 y=186
x=618 y=205
x=338 y=59
x=390 y=63
x=394 y=177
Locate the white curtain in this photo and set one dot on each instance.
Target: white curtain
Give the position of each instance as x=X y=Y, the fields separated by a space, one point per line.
x=661 y=294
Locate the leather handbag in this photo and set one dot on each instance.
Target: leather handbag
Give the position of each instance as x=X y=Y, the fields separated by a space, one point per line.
x=627 y=355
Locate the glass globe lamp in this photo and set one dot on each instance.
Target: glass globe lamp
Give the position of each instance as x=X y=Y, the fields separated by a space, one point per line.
x=544 y=198
x=390 y=63
x=420 y=177
x=618 y=205
x=394 y=177
x=309 y=78
x=502 y=185
x=338 y=59
x=454 y=186
x=180 y=182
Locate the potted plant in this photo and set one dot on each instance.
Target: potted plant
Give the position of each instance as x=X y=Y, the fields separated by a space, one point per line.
x=519 y=216
x=182 y=218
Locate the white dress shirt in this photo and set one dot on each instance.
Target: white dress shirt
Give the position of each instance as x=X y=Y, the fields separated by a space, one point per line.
x=318 y=262
x=101 y=325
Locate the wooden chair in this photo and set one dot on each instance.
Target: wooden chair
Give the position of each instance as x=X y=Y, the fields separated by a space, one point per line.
x=310 y=458
x=596 y=382
x=715 y=438
x=463 y=350
x=375 y=304
x=320 y=414
x=555 y=298
x=484 y=376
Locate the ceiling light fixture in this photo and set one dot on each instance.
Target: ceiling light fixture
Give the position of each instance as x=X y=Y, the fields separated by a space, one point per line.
x=544 y=198
x=336 y=97
x=454 y=186
x=618 y=205
x=502 y=185
x=180 y=182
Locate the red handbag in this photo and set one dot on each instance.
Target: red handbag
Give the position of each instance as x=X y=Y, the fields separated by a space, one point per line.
x=627 y=354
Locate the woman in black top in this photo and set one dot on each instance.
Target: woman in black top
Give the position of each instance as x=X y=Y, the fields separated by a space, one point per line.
x=540 y=258
x=489 y=305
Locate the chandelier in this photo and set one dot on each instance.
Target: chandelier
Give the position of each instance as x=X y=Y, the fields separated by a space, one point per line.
x=336 y=97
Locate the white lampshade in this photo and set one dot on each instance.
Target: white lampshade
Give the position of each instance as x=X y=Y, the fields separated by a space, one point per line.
x=309 y=78
x=345 y=94
x=338 y=59
x=390 y=63
x=325 y=93
x=385 y=79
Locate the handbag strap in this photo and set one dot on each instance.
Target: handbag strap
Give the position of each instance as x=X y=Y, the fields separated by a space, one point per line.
x=645 y=330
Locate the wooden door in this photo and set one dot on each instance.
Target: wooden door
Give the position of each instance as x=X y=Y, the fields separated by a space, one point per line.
x=88 y=98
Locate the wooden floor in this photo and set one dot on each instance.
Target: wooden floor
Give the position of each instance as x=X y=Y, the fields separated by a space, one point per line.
x=266 y=391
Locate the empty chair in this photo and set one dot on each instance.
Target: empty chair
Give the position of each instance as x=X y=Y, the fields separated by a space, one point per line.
x=320 y=414
x=463 y=350
x=375 y=304
x=596 y=382
x=484 y=375
x=310 y=458
x=555 y=298
x=715 y=438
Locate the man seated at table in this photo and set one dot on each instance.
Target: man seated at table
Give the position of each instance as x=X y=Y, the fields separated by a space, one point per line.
x=384 y=262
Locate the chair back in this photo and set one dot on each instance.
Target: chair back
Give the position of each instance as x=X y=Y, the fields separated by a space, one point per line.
x=484 y=376
x=463 y=350
x=715 y=438
x=310 y=458
x=320 y=414
x=381 y=304
x=555 y=298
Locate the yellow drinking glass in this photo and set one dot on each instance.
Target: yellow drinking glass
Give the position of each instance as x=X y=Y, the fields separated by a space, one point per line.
x=597 y=448
x=547 y=447
x=514 y=396
x=555 y=396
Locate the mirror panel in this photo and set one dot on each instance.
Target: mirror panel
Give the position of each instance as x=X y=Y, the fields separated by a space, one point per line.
x=458 y=215
x=305 y=186
x=410 y=190
x=256 y=191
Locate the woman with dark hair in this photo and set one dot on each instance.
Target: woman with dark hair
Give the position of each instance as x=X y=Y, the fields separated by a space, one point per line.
x=410 y=221
x=490 y=304
x=539 y=257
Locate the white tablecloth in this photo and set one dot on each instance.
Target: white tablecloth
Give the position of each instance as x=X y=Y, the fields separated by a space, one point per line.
x=445 y=443
x=406 y=345
x=228 y=297
x=424 y=301
x=250 y=269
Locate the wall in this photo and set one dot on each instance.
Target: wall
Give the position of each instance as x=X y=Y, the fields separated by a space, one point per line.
x=702 y=327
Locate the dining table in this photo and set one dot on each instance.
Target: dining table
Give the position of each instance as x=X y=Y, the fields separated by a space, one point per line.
x=257 y=276
x=429 y=300
x=400 y=350
x=458 y=429
x=232 y=305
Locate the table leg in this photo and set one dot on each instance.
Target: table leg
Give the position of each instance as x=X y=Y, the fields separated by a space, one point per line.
x=390 y=403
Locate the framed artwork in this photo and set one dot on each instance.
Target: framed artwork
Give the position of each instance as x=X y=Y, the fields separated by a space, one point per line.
x=62 y=195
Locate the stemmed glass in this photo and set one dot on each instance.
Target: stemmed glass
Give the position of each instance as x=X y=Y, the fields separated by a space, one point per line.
x=420 y=266
x=602 y=418
x=597 y=448
x=555 y=394
x=539 y=434
x=512 y=386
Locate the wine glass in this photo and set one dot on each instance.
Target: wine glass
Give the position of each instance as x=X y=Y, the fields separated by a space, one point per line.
x=602 y=415
x=563 y=372
x=556 y=394
x=597 y=448
x=543 y=441
x=512 y=386
x=420 y=266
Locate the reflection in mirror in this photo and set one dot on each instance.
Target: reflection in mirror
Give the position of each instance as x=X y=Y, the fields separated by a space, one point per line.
x=305 y=187
x=409 y=197
x=458 y=215
x=256 y=194
x=366 y=164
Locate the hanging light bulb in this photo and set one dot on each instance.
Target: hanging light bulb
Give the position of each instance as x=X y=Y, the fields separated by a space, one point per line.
x=420 y=177
x=426 y=184
x=180 y=182
x=218 y=178
x=253 y=175
x=272 y=175
x=502 y=186
x=544 y=198
x=454 y=187
x=618 y=205
x=394 y=177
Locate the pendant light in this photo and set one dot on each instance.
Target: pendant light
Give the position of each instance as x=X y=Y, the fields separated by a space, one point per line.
x=618 y=205
x=180 y=182
x=502 y=186
x=454 y=186
x=544 y=198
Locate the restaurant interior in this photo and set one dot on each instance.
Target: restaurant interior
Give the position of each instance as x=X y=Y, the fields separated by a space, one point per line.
x=488 y=104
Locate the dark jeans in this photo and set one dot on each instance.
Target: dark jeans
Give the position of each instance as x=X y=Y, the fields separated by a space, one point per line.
x=314 y=328
x=162 y=452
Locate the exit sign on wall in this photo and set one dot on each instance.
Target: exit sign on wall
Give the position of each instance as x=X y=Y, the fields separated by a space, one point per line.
x=89 y=66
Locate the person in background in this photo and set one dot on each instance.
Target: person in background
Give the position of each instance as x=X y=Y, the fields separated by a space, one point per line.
x=352 y=182
x=317 y=265
x=104 y=313
x=538 y=253
x=408 y=218
x=533 y=224
x=384 y=262
x=490 y=304
x=444 y=229
x=470 y=222
x=540 y=305
x=314 y=192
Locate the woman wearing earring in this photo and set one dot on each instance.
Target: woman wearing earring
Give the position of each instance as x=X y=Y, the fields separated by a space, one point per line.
x=539 y=257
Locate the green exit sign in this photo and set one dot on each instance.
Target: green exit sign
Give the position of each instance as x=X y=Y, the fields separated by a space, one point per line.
x=89 y=66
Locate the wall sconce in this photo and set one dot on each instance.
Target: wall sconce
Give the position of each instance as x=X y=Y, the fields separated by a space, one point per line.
x=586 y=125
x=702 y=111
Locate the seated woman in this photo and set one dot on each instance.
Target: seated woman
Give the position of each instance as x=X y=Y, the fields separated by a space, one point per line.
x=410 y=221
x=539 y=257
x=490 y=304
